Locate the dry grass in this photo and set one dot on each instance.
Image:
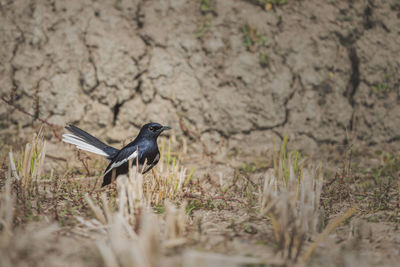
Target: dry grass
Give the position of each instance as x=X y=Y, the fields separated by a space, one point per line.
x=291 y=198
x=133 y=234
x=146 y=220
x=17 y=245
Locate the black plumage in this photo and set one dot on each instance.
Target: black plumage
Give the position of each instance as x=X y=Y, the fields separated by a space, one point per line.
x=143 y=149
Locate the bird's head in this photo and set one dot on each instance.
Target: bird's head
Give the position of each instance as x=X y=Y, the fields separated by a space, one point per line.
x=152 y=129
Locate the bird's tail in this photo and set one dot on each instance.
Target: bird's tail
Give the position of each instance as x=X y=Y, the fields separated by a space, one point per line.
x=85 y=141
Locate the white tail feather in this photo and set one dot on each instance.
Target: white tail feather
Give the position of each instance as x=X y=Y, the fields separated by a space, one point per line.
x=82 y=144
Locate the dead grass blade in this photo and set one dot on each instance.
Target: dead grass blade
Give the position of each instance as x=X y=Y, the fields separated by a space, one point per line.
x=332 y=226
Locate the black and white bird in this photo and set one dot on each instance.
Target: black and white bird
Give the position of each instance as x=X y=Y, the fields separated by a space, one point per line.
x=143 y=149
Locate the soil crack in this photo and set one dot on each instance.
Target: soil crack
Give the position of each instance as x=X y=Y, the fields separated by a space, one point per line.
x=354 y=81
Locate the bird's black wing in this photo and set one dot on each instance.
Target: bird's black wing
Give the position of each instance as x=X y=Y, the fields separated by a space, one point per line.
x=120 y=162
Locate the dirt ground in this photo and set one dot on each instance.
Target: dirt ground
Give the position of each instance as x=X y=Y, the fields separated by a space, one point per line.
x=232 y=78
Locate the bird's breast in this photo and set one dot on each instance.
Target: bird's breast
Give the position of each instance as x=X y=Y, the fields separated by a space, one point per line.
x=148 y=153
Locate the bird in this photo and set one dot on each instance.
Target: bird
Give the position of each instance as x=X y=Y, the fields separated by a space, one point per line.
x=142 y=150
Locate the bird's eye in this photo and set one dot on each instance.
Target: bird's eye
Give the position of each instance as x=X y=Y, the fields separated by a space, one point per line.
x=151 y=128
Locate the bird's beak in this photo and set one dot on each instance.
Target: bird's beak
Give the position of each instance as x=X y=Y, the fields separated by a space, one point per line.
x=164 y=128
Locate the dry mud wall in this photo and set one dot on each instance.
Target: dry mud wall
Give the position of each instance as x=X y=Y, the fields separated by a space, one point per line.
x=310 y=69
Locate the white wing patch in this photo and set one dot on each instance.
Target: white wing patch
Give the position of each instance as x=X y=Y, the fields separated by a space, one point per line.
x=82 y=144
x=119 y=163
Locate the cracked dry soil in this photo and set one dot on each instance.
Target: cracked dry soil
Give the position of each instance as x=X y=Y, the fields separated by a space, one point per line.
x=112 y=66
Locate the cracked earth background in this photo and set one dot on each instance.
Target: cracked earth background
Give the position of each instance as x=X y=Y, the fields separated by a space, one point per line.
x=112 y=67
